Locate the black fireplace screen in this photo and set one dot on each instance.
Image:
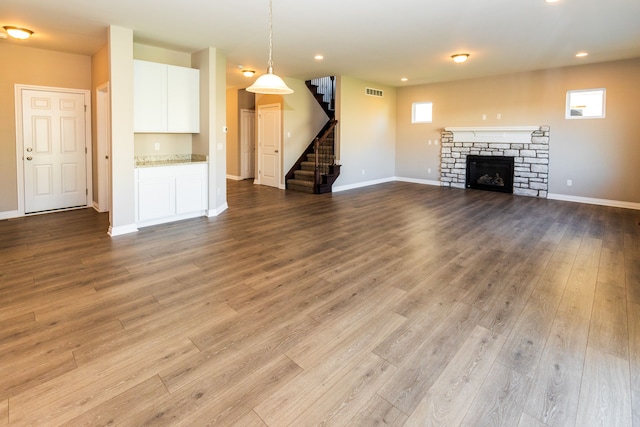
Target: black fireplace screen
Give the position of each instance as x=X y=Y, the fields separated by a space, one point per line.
x=492 y=173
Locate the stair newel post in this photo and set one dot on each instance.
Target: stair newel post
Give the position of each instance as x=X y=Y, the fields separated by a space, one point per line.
x=316 y=151
x=332 y=103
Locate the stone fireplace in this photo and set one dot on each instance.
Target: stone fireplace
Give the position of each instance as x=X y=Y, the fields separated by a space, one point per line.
x=527 y=145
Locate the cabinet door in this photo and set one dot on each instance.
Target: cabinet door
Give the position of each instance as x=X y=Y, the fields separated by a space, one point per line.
x=156 y=196
x=149 y=97
x=183 y=99
x=191 y=190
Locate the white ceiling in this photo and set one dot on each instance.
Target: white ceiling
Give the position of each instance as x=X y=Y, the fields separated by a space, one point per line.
x=371 y=40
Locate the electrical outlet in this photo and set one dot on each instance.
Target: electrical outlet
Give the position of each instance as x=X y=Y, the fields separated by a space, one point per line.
x=156 y=146
x=498 y=116
x=362 y=171
x=484 y=117
x=569 y=183
x=428 y=170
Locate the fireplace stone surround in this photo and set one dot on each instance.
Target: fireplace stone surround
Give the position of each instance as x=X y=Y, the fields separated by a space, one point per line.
x=529 y=145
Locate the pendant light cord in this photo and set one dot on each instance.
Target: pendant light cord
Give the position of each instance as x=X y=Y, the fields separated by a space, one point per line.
x=270 y=63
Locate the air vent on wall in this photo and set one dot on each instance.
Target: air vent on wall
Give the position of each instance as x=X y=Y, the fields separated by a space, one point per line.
x=374 y=92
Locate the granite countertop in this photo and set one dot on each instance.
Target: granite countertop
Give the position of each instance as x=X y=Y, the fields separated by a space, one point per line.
x=169 y=160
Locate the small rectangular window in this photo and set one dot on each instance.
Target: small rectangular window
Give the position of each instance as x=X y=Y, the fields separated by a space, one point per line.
x=422 y=112
x=585 y=104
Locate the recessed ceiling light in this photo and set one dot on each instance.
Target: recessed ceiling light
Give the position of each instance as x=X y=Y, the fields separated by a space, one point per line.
x=318 y=57
x=551 y=1
x=581 y=54
x=404 y=79
x=460 y=57
x=18 y=33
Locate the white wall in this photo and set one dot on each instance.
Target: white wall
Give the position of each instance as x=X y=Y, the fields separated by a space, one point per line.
x=212 y=139
x=122 y=213
x=366 y=133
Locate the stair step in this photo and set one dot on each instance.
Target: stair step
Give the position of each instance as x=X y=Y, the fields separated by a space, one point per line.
x=324 y=158
x=311 y=166
x=300 y=185
x=305 y=175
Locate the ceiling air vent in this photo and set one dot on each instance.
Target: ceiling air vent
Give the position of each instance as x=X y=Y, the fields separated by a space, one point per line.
x=373 y=92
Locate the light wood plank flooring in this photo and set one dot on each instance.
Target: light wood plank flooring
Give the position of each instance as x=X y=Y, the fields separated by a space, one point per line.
x=397 y=304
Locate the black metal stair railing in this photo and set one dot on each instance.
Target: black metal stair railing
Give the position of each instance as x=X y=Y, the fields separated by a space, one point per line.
x=327 y=87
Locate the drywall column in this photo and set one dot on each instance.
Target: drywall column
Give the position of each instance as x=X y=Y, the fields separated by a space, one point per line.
x=212 y=138
x=122 y=213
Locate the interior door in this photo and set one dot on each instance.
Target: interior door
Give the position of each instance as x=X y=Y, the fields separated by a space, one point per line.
x=269 y=137
x=54 y=144
x=247 y=144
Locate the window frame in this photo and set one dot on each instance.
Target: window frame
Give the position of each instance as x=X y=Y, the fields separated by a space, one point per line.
x=414 y=106
x=603 y=100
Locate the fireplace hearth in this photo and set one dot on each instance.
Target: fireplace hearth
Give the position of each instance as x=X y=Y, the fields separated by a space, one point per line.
x=490 y=173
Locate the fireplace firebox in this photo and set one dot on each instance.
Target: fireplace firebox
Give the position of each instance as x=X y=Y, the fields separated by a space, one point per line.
x=491 y=173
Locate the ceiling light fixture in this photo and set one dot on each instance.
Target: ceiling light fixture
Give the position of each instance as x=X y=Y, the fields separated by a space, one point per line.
x=404 y=79
x=248 y=73
x=18 y=33
x=270 y=83
x=581 y=54
x=460 y=57
x=318 y=57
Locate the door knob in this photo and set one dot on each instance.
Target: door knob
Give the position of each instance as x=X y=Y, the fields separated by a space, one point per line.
x=29 y=158
x=29 y=149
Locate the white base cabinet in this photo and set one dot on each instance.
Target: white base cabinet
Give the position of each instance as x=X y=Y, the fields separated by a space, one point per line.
x=170 y=193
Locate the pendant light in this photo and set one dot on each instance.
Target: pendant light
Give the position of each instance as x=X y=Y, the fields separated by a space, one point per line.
x=269 y=83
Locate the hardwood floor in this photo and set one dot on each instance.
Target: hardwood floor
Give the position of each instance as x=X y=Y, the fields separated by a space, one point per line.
x=397 y=304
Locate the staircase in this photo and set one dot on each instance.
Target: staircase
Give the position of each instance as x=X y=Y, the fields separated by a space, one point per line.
x=316 y=169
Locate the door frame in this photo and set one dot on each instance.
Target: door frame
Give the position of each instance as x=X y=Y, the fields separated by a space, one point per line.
x=103 y=147
x=243 y=112
x=258 y=177
x=20 y=143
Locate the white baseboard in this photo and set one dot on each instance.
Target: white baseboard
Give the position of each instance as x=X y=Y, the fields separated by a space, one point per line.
x=217 y=211
x=592 y=201
x=362 y=184
x=418 y=181
x=123 y=229
x=234 y=177
x=552 y=196
x=96 y=207
x=8 y=214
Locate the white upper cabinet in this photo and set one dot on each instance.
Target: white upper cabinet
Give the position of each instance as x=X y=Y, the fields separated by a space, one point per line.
x=166 y=98
x=183 y=99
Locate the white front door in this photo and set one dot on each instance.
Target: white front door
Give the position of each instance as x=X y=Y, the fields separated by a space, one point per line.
x=247 y=144
x=54 y=150
x=269 y=137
